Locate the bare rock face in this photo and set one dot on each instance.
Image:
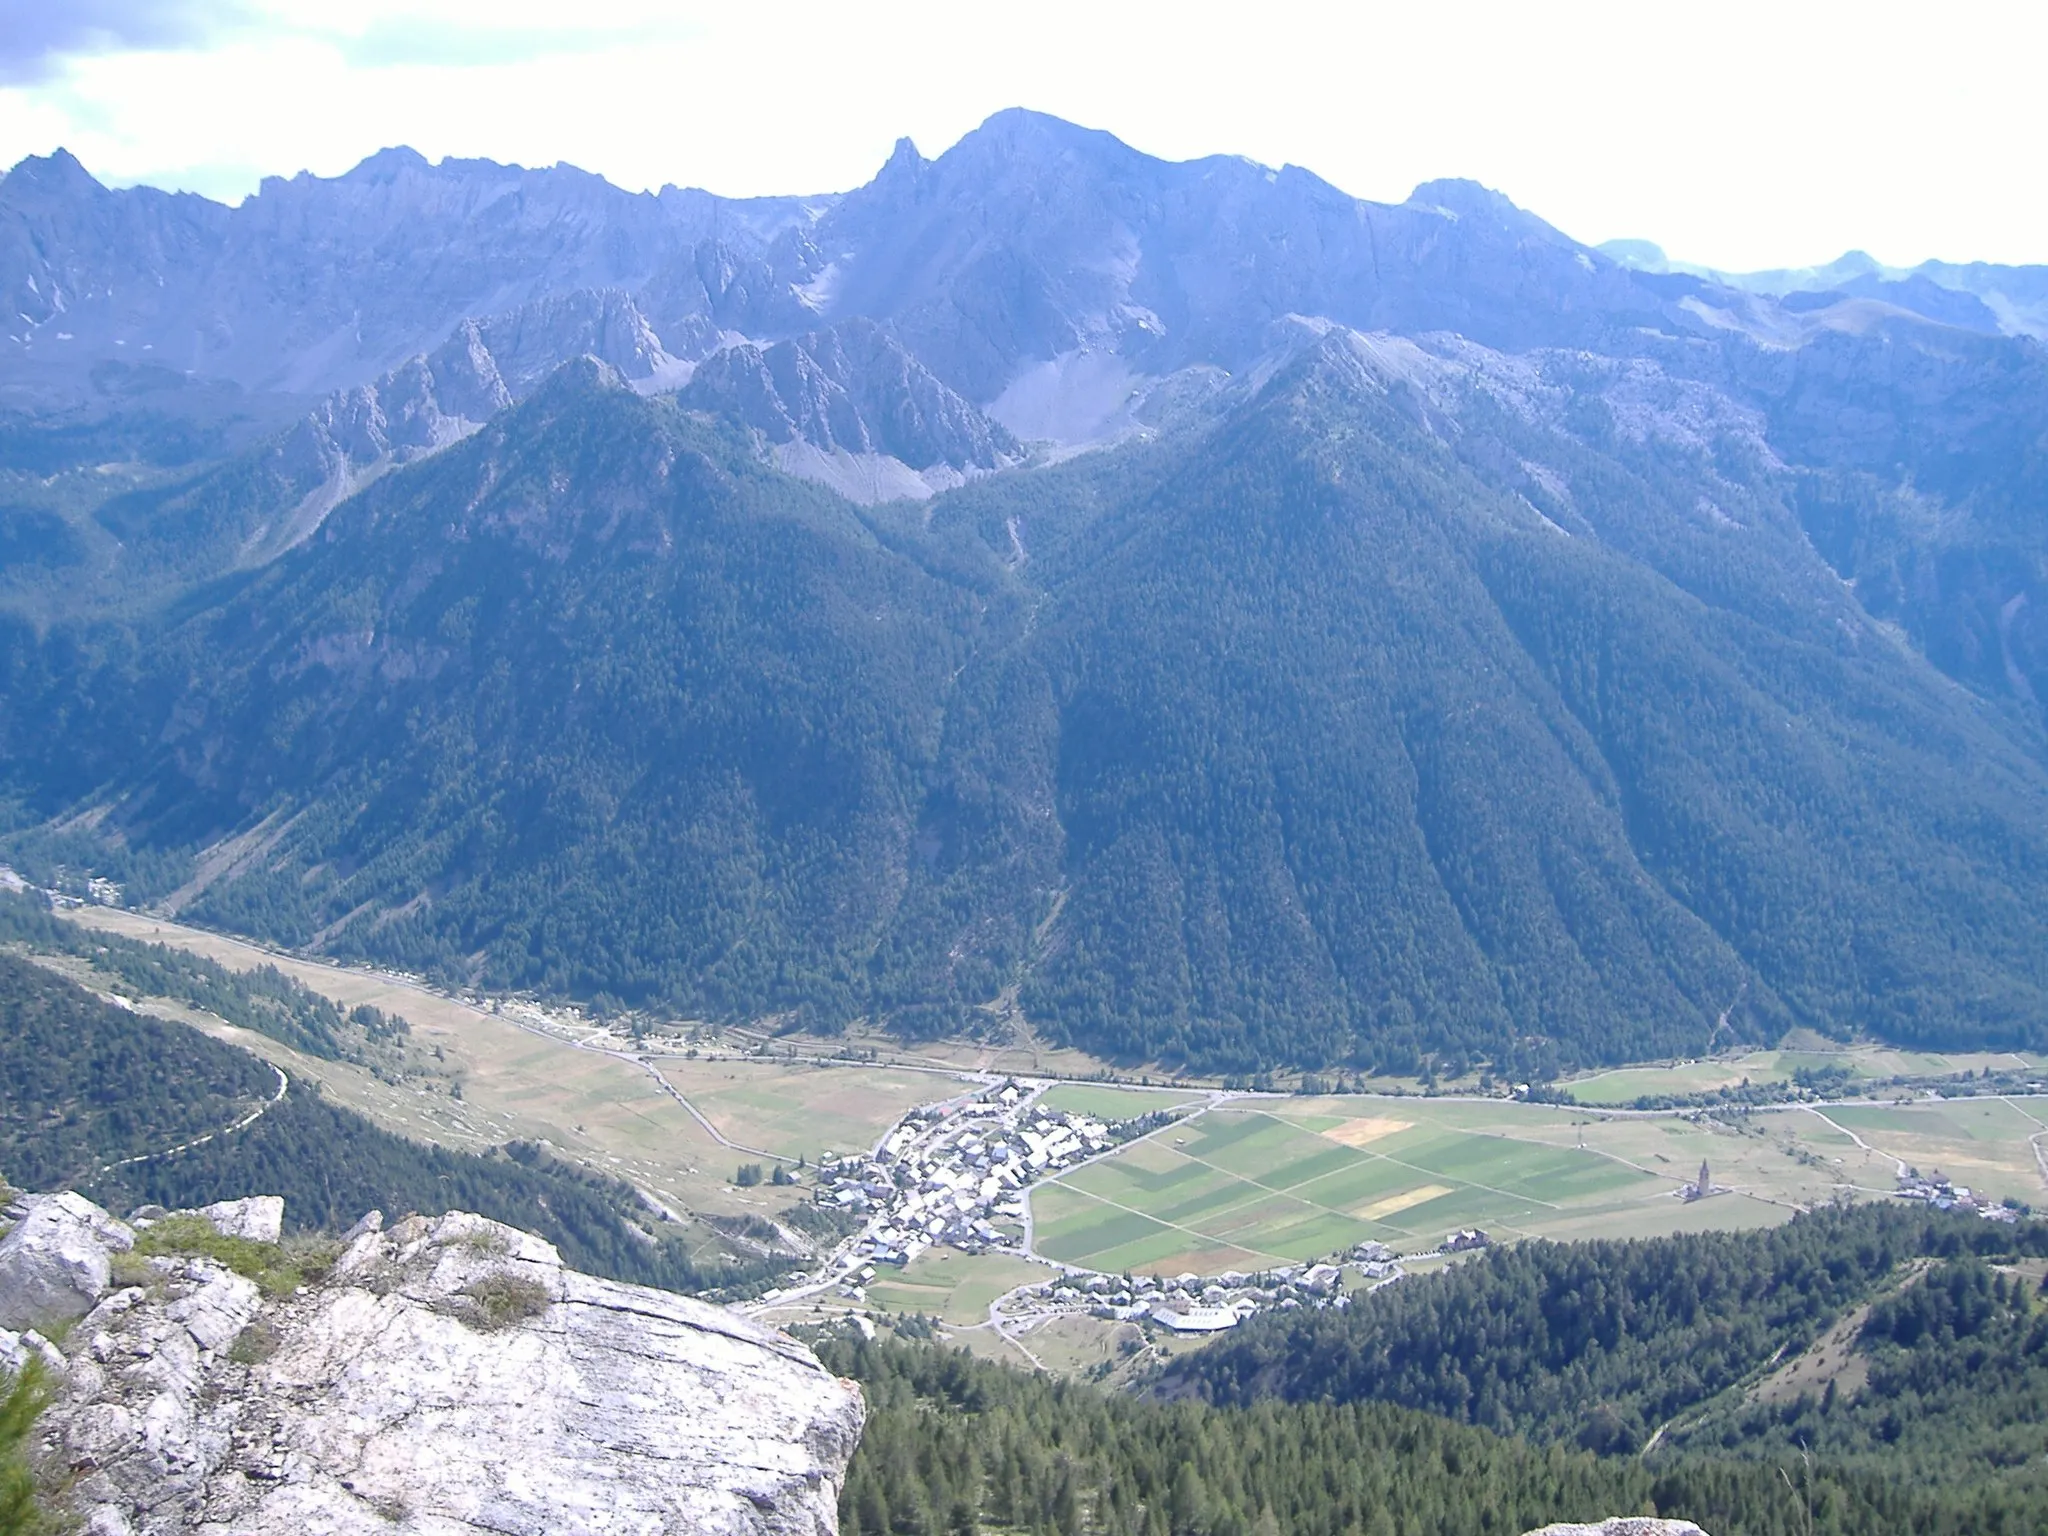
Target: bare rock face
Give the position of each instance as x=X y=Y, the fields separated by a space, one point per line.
x=446 y=1375
x=1625 y=1525
x=54 y=1260
x=260 y=1218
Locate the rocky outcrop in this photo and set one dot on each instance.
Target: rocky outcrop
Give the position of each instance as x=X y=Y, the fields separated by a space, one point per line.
x=843 y=405
x=1625 y=1525
x=445 y=1375
x=259 y=1219
x=55 y=1259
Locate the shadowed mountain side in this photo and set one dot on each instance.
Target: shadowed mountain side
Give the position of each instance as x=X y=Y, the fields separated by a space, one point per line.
x=1351 y=747
x=1389 y=720
x=140 y=544
x=587 y=691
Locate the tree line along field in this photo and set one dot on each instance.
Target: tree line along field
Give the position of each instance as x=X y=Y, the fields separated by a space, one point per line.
x=1862 y=1063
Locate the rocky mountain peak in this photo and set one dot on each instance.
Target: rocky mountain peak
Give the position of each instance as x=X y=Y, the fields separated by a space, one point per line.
x=1467 y=199
x=904 y=164
x=851 y=406
x=387 y=165
x=585 y=375
x=58 y=172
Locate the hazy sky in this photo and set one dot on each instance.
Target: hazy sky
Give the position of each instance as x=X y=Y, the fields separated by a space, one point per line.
x=1735 y=133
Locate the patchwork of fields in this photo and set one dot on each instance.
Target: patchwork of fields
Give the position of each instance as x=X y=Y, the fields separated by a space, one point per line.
x=1245 y=1188
x=1259 y=1182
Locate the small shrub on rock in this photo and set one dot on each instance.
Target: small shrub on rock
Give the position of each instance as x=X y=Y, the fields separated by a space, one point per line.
x=501 y=1298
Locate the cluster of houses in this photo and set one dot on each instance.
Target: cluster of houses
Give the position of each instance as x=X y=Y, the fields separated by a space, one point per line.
x=957 y=1174
x=1938 y=1192
x=1193 y=1303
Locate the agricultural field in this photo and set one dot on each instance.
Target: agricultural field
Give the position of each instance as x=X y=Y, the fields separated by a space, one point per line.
x=1993 y=1146
x=1250 y=1182
x=952 y=1286
x=1261 y=1182
x=1242 y=1188
x=1106 y=1102
x=493 y=1081
x=1624 y=1085
x=792 y=1109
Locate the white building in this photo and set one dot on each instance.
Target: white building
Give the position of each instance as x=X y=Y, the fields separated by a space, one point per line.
x=1197 y=1319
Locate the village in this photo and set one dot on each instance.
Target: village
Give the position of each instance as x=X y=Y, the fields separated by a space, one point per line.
x=1939 y=1192
x=1190 y=1303
x=960 y=1173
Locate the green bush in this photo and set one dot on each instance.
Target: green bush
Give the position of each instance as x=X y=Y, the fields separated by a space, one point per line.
x=277 y=1270
x=23 y=1397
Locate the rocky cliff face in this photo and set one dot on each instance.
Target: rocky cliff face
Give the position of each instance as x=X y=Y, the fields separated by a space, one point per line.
x=850 y=407
x=442 y=1375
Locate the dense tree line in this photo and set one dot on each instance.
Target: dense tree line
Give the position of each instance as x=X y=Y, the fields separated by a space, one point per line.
x=263 y=999
x=1592 y=1343
x=954 y=1446
x=82 y=1084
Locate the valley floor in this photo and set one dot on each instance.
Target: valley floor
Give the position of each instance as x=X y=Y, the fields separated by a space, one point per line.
x=1241 y=1182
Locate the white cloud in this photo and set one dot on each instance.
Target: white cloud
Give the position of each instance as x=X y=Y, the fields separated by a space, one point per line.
x=1744 y=134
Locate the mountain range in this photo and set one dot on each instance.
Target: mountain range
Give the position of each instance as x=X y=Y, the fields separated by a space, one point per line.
x=1181 y=607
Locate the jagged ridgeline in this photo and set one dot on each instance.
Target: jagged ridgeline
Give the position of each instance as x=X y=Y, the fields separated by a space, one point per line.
x=89 y=1093
x=1309 y=739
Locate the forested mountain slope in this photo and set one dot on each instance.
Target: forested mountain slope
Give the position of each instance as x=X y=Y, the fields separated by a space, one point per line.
x=1458 y=645
x=94 y=1094
x=1384 y=719
x=1351 y=744
x=624 y=714
x=957 y=1443
x=1612 y=1345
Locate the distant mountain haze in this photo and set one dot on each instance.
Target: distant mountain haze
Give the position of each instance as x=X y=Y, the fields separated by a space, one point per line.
x=1215 y=618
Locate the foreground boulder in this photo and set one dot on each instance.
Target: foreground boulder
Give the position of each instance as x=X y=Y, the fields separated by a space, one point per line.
x=55 y=1258
x=1625 y=1525
x=446 y=1375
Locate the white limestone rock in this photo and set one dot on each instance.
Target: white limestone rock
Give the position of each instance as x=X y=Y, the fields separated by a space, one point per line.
x=382 y=1401
x=17 y=1349
x=260 y=1218
x=1625 y=1525
x=54 y=1260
